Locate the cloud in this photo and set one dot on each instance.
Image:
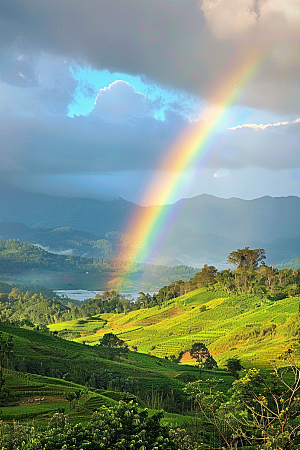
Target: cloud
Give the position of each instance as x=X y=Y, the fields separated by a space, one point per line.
x=57 y=144
x=17 y=68
x=267 y=20
x=221 y=173
x=261 y=126
x=51 y=90
x=187 y=47
x=181 y=47
x=120 y=102
x=276 y=148
x=229 y=18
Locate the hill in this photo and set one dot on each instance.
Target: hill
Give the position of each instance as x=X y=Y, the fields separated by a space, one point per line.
x=263 y=219
x=155 y=382
x=250 y=327
x=46 y=211
x=24 y=263
x=204 y=230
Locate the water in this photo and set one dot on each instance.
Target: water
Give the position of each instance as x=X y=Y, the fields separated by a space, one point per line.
x=82 y=294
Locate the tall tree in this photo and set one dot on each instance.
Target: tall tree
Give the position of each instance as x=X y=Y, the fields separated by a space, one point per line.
x=246 y=258
x=201 y=354
x=114 y=344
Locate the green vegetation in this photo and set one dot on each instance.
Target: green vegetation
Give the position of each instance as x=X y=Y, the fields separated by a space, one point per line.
x=118 y=427
x=260 y=412
x=253 y=328
x=27 y=264
x=157 y=382
x=145 y=354
x=293 y=264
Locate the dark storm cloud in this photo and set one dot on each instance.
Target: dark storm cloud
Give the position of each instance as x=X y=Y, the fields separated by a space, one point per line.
x=84 y=144
x=52 y=145
x=180 y=43
x=273 y=148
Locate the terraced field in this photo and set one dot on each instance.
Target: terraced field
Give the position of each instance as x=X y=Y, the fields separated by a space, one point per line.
x=37 y=397
x=256 y=330
x=155 y=383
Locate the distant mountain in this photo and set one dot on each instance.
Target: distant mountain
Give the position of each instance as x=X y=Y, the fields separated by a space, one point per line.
x=46 y=211
x=205 y=229
x=263 y=219
x=283 y=251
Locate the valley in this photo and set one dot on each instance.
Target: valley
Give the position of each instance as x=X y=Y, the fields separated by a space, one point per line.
x=67 y=362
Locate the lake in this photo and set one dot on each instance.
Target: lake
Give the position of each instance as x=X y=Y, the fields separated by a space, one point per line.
x=82 y=294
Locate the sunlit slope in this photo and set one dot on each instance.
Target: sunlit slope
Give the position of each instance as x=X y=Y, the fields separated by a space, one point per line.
x=44 y=354
x=254 y=329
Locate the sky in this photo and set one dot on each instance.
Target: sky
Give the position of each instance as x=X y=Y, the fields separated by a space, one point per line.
x=96 y=94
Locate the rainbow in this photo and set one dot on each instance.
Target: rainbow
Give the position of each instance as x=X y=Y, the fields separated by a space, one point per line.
x=190 y=148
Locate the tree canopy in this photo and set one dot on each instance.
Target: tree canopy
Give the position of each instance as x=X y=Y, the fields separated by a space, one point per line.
x=246 y=257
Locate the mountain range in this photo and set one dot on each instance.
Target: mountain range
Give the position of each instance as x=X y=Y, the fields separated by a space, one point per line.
x=205 y=229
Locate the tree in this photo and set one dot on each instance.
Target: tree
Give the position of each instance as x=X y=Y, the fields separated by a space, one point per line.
x=210 y=363
x=261 y=413
x=201 y=354
x=246 y=258
x=70 y=397
x=114 y=344
x=206 y=277
x=233 y=365
x=78 y=394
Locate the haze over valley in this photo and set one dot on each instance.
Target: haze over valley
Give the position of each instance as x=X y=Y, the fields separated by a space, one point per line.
x=204 y=229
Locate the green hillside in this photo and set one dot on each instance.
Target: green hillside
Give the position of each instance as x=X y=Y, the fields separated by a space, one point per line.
x=157 y=383
x=253 y=328
x=50 y=366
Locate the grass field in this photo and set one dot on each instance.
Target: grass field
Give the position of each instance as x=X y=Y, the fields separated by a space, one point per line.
x=254 y=329
x=156 y=383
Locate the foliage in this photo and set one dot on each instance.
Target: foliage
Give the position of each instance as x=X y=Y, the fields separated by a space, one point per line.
x=246 y=257
x=261 y=412
x=114 y=344
x=6 y=346
x=121 y=427
x=234 y=365
x=201 y=354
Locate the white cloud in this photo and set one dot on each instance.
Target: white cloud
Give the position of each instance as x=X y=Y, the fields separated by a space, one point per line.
x=261 y=126
x=266 y=20
x=119 y=102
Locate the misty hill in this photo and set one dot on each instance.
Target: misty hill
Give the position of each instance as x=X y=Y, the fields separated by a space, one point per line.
x=205 y=229
x=24 y=263
x=263 y=219
x=46 y=211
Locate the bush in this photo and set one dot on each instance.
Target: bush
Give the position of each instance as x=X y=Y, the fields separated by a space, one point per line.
x=120 y=427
